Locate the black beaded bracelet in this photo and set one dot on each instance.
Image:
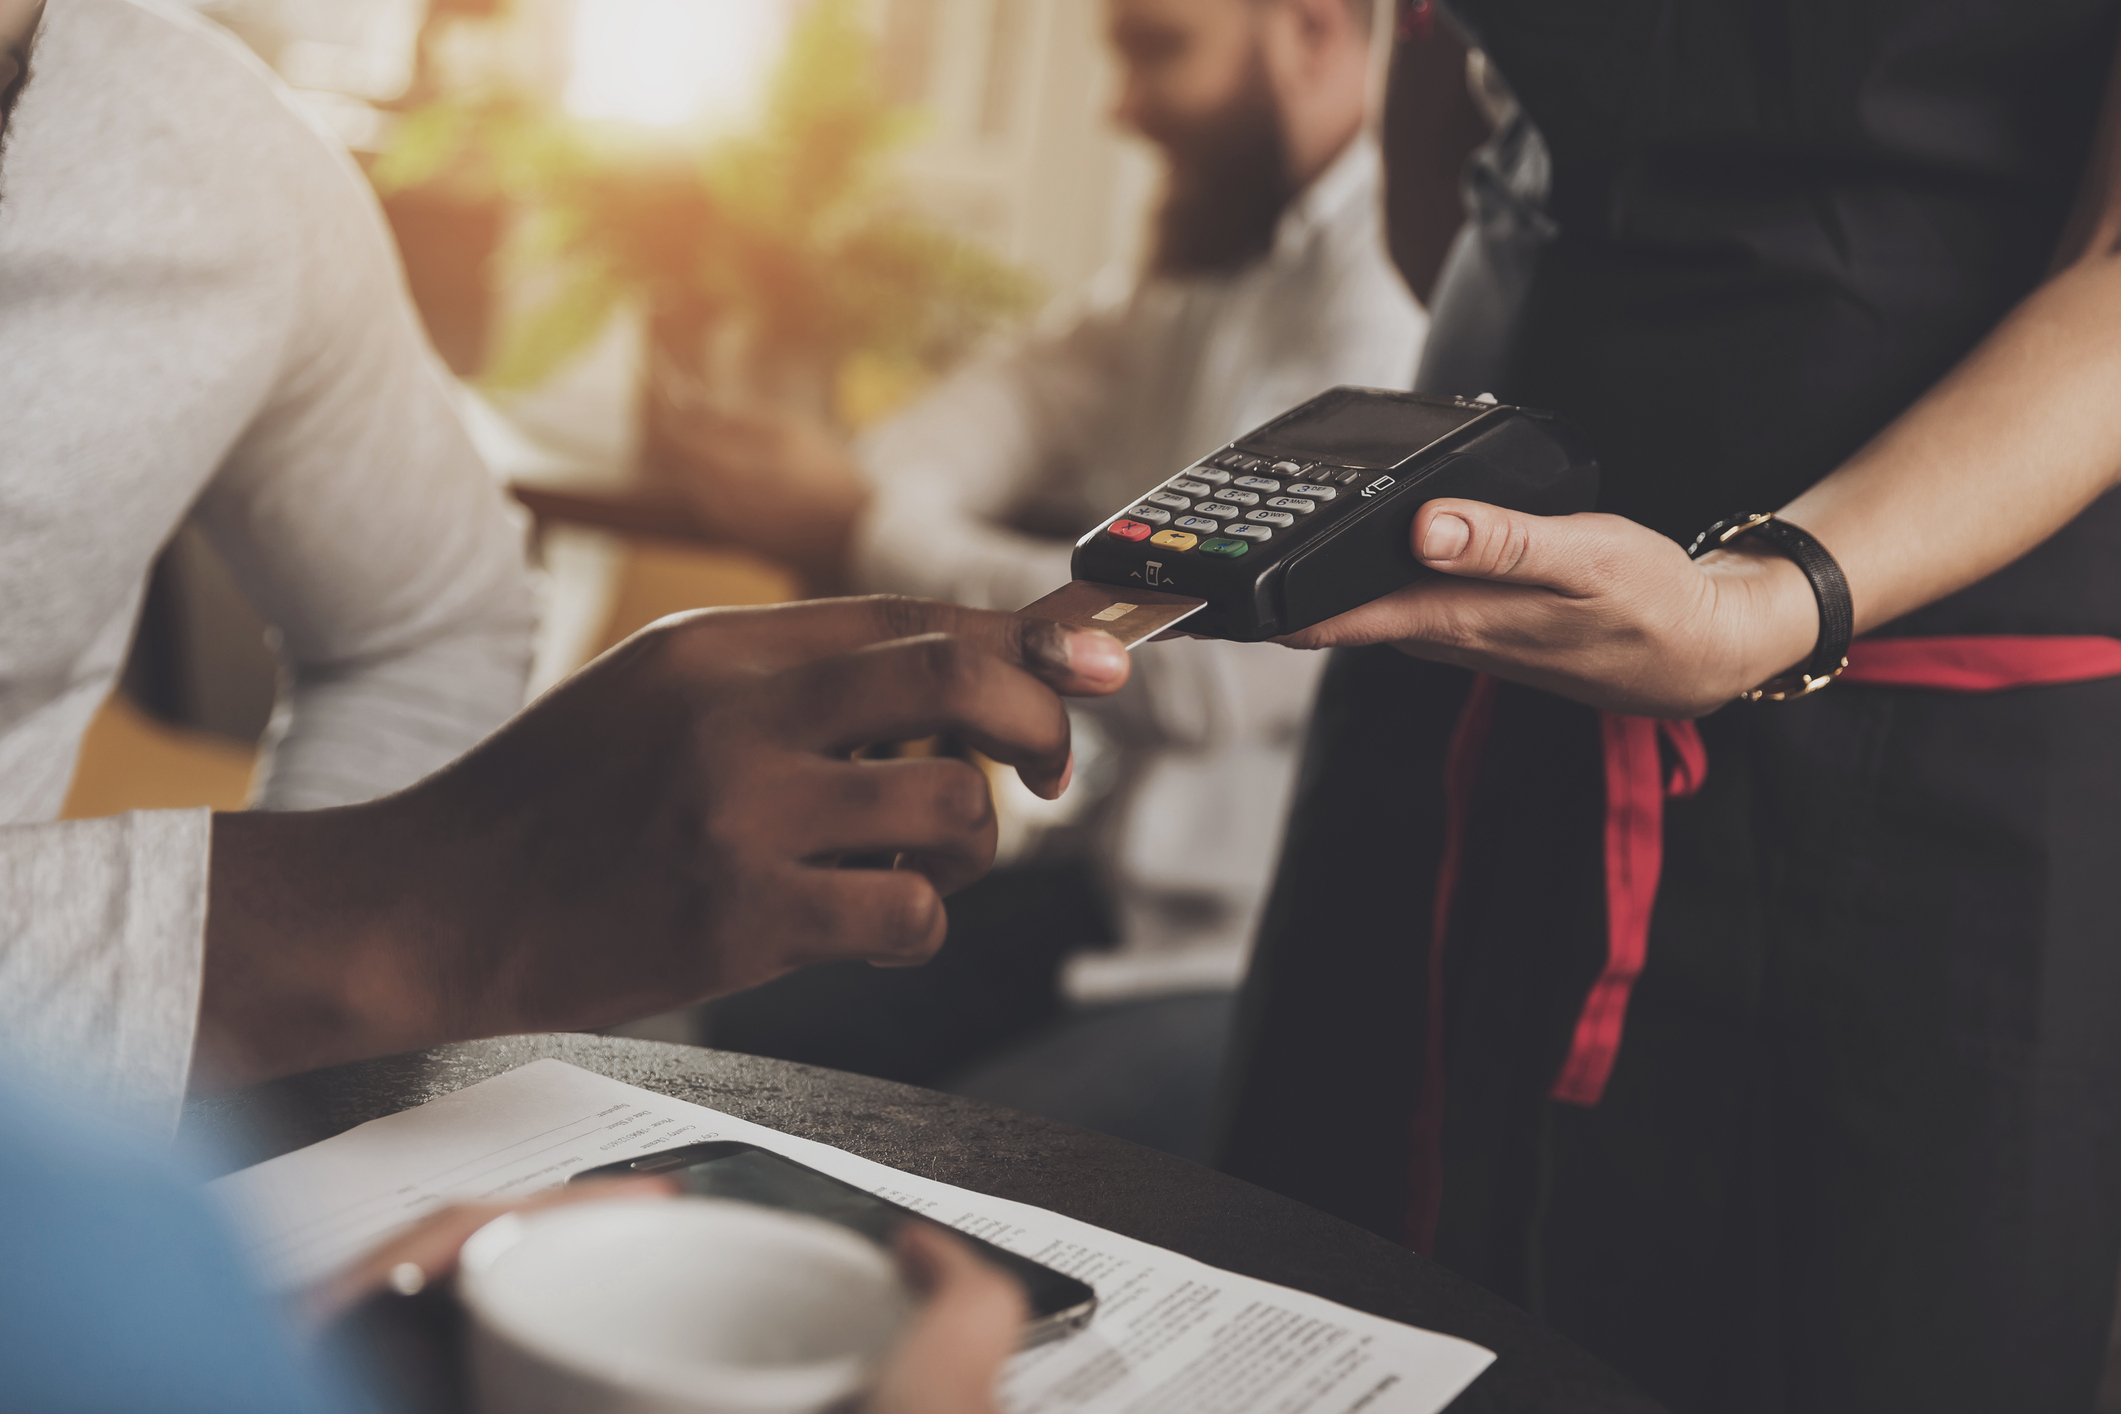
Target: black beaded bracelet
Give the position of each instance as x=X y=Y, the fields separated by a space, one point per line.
x=1837 y=609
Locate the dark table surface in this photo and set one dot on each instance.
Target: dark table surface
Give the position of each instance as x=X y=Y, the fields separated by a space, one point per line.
x=1128 y=1189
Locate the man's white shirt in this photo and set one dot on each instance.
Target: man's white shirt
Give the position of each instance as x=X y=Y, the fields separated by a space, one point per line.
x=201 y=314
x=1072 y=426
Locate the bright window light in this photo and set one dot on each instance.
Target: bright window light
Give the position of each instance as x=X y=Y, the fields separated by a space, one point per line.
x=670 y=62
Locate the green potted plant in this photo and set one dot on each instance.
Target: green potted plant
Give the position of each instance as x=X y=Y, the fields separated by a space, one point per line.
x=766 y=260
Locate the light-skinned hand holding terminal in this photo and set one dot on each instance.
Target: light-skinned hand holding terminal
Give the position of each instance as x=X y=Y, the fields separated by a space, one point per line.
x=665 y=826
x=1999 y=455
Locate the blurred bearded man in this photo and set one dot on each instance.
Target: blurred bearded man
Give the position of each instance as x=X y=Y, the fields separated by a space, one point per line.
x=1269 y=281
x=19 y=19
x=1226 y=180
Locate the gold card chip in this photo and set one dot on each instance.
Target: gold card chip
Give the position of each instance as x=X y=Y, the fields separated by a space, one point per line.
x=1130 y=615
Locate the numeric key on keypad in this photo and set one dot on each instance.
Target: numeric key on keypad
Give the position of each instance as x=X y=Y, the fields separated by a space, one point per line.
x=1259 y=483
x=1292 y=503
x=1185 y=487
x=1242 y=498
x=1316 y=493
x=1218 y=508
x=1150 y=514
x=1165 y=498
x=1213 y=475
x=1200 y=523
x=1275 y=518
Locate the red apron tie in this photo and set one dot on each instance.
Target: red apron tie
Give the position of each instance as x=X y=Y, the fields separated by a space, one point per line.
x=1988 y=663
x=1461 y=772
x=1637 y=785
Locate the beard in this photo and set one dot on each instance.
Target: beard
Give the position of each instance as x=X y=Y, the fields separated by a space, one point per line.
x=1227 y=185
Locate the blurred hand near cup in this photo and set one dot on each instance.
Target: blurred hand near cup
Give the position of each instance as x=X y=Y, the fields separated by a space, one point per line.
x=641 y=1303
x=951 y=1354
x=426 y=1253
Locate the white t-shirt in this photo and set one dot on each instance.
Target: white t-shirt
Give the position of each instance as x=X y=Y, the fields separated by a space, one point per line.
x=201 y=314
x=1070 y=427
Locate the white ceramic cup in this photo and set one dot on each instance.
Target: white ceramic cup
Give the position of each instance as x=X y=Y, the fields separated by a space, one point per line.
x=674 y=1306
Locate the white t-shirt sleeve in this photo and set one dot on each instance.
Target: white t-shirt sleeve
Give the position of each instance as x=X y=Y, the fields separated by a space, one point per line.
x=102 y=937
x=359 y=520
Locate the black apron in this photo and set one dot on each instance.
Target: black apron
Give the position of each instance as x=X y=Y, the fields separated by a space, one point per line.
x=1862 y=1147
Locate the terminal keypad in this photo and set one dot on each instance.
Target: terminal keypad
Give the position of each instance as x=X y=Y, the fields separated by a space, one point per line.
x=1232 y=501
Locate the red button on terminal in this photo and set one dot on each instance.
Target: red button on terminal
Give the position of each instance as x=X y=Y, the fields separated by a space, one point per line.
x=1130 y=529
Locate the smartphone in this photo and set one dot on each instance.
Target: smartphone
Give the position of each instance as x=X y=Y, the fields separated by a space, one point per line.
x=746 y=1173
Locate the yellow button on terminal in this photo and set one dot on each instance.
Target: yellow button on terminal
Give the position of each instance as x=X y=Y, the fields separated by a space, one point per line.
x=1173 y=540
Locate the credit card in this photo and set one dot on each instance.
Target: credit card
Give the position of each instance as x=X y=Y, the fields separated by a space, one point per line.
x=1130 y=615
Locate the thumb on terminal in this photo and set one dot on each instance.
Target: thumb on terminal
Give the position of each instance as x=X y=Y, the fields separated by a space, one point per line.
x=1474 y=540
x=1446 y=538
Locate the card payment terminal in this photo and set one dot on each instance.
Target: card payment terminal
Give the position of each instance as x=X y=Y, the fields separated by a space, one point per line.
x=1310 y=515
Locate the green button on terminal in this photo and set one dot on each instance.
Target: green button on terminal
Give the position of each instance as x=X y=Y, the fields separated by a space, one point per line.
x=1228 y=549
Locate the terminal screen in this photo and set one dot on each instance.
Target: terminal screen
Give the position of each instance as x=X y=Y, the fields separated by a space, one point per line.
x=1356 y=428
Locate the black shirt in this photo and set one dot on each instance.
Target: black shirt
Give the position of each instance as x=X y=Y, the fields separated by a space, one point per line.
x=1780 y=224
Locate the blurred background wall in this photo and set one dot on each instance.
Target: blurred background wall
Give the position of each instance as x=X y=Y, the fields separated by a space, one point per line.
x=996 y=139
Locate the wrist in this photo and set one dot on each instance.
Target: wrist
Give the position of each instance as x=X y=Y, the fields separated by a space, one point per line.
x=1770 y=609
x=318 y=943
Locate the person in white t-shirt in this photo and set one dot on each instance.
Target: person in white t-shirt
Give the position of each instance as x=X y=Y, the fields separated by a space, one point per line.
x=200 y=315
x=1268 y=282
x=203 y=319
